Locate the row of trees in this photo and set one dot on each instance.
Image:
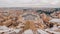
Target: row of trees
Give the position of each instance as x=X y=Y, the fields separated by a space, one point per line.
x=48 y=11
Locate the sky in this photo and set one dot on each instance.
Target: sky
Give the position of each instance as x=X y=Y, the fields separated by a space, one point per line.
x=29 y=3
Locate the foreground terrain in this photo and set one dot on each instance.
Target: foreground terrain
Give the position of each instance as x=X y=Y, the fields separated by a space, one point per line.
x=29 y=21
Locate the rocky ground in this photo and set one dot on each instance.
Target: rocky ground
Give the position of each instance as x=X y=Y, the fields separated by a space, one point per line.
x=29 y=21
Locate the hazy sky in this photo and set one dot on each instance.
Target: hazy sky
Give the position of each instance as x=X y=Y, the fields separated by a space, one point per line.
x=29 y=3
